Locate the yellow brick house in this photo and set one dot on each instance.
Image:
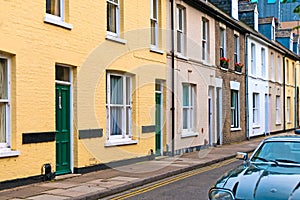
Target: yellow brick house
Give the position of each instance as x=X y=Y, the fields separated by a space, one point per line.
x=82 y=84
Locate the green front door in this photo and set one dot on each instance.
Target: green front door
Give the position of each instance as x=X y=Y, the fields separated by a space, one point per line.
x=158 y=123
x=63 y=129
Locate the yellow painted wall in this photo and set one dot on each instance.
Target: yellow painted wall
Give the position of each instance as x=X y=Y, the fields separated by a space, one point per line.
x=34 y=48
x=297 y=65
x=290 y=91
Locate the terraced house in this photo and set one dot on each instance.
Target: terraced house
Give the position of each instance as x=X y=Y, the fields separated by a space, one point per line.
x=80 y=92
x=130 y=81
x=193 y=65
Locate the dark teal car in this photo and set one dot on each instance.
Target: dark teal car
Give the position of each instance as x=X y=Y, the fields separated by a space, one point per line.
x=271 y=173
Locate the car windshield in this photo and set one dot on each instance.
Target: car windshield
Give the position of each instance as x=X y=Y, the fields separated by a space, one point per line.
x=278 y=152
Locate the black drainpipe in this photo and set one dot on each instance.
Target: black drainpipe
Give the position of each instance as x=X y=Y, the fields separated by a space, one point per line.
x=173 y=77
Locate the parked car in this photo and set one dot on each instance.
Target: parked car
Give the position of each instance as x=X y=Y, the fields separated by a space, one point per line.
x=272 y=172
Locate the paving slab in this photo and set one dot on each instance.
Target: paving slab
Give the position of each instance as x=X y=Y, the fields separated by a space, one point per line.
x=105 y=183
x=123 y=178
x=58 y=184
x=48 y=196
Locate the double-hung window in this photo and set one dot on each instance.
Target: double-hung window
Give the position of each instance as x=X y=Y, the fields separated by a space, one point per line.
x=235 y=109
x=4 y=104
x=154 y=23
x=180 y=30
x=113 y=17
x=119 y=106
x=287 y=72
x=278 y=110
x=288 y=109
x=279 y=75
x=236 y=49
x=55 y=13
x=255 y=108
x=263 y=62
x=272 y=66
x=253 y=61
x=55 y=8
x=204 y=39
x=223 y=43
x=188 y=110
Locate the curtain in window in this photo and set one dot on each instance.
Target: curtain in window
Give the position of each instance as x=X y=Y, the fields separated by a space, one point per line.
x=2 y=123
x=3 y=96
x=116 y=101
x=180 y=30
x=234 y=103
x=185 y=104
x=154 y=23
x=111 y=17
x=53 y=7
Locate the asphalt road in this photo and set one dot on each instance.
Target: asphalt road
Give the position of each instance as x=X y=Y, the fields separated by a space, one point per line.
x=190 y=185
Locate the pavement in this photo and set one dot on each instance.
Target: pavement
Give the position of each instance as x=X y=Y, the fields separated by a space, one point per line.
x=100 y=184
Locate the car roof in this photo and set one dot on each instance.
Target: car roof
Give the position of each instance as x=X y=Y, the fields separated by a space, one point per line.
x=295 y=138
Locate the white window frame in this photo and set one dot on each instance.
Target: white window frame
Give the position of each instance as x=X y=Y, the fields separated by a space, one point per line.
x=253 y=62
x=180 y=32
x=62 y=14
x=255 y=108
x=223 y=42
x=124 y=106
x=154 y=23
x=117 y=33
x=236 y=49
x=278 y=110
x=5 y=148
x=190 y=107
x=263 y=62
x=205 y=40
x=293 y=73
x=58 y=20
x=288 y=109
x=235 y=109
x=287 y=72
x=279 y=75
x=272 y=63
x=6 y=145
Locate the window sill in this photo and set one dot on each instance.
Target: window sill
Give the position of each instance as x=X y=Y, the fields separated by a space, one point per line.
x=115 y=39
x=238 y=72
x=224 y=69
x=235 y=129
x=156 y=50
x=62 y=24
x=180 y=56
x=189 y=134
x=111 y=143
x=9 y=153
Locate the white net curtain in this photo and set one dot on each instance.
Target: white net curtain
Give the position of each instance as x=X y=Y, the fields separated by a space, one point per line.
x=3 y=99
